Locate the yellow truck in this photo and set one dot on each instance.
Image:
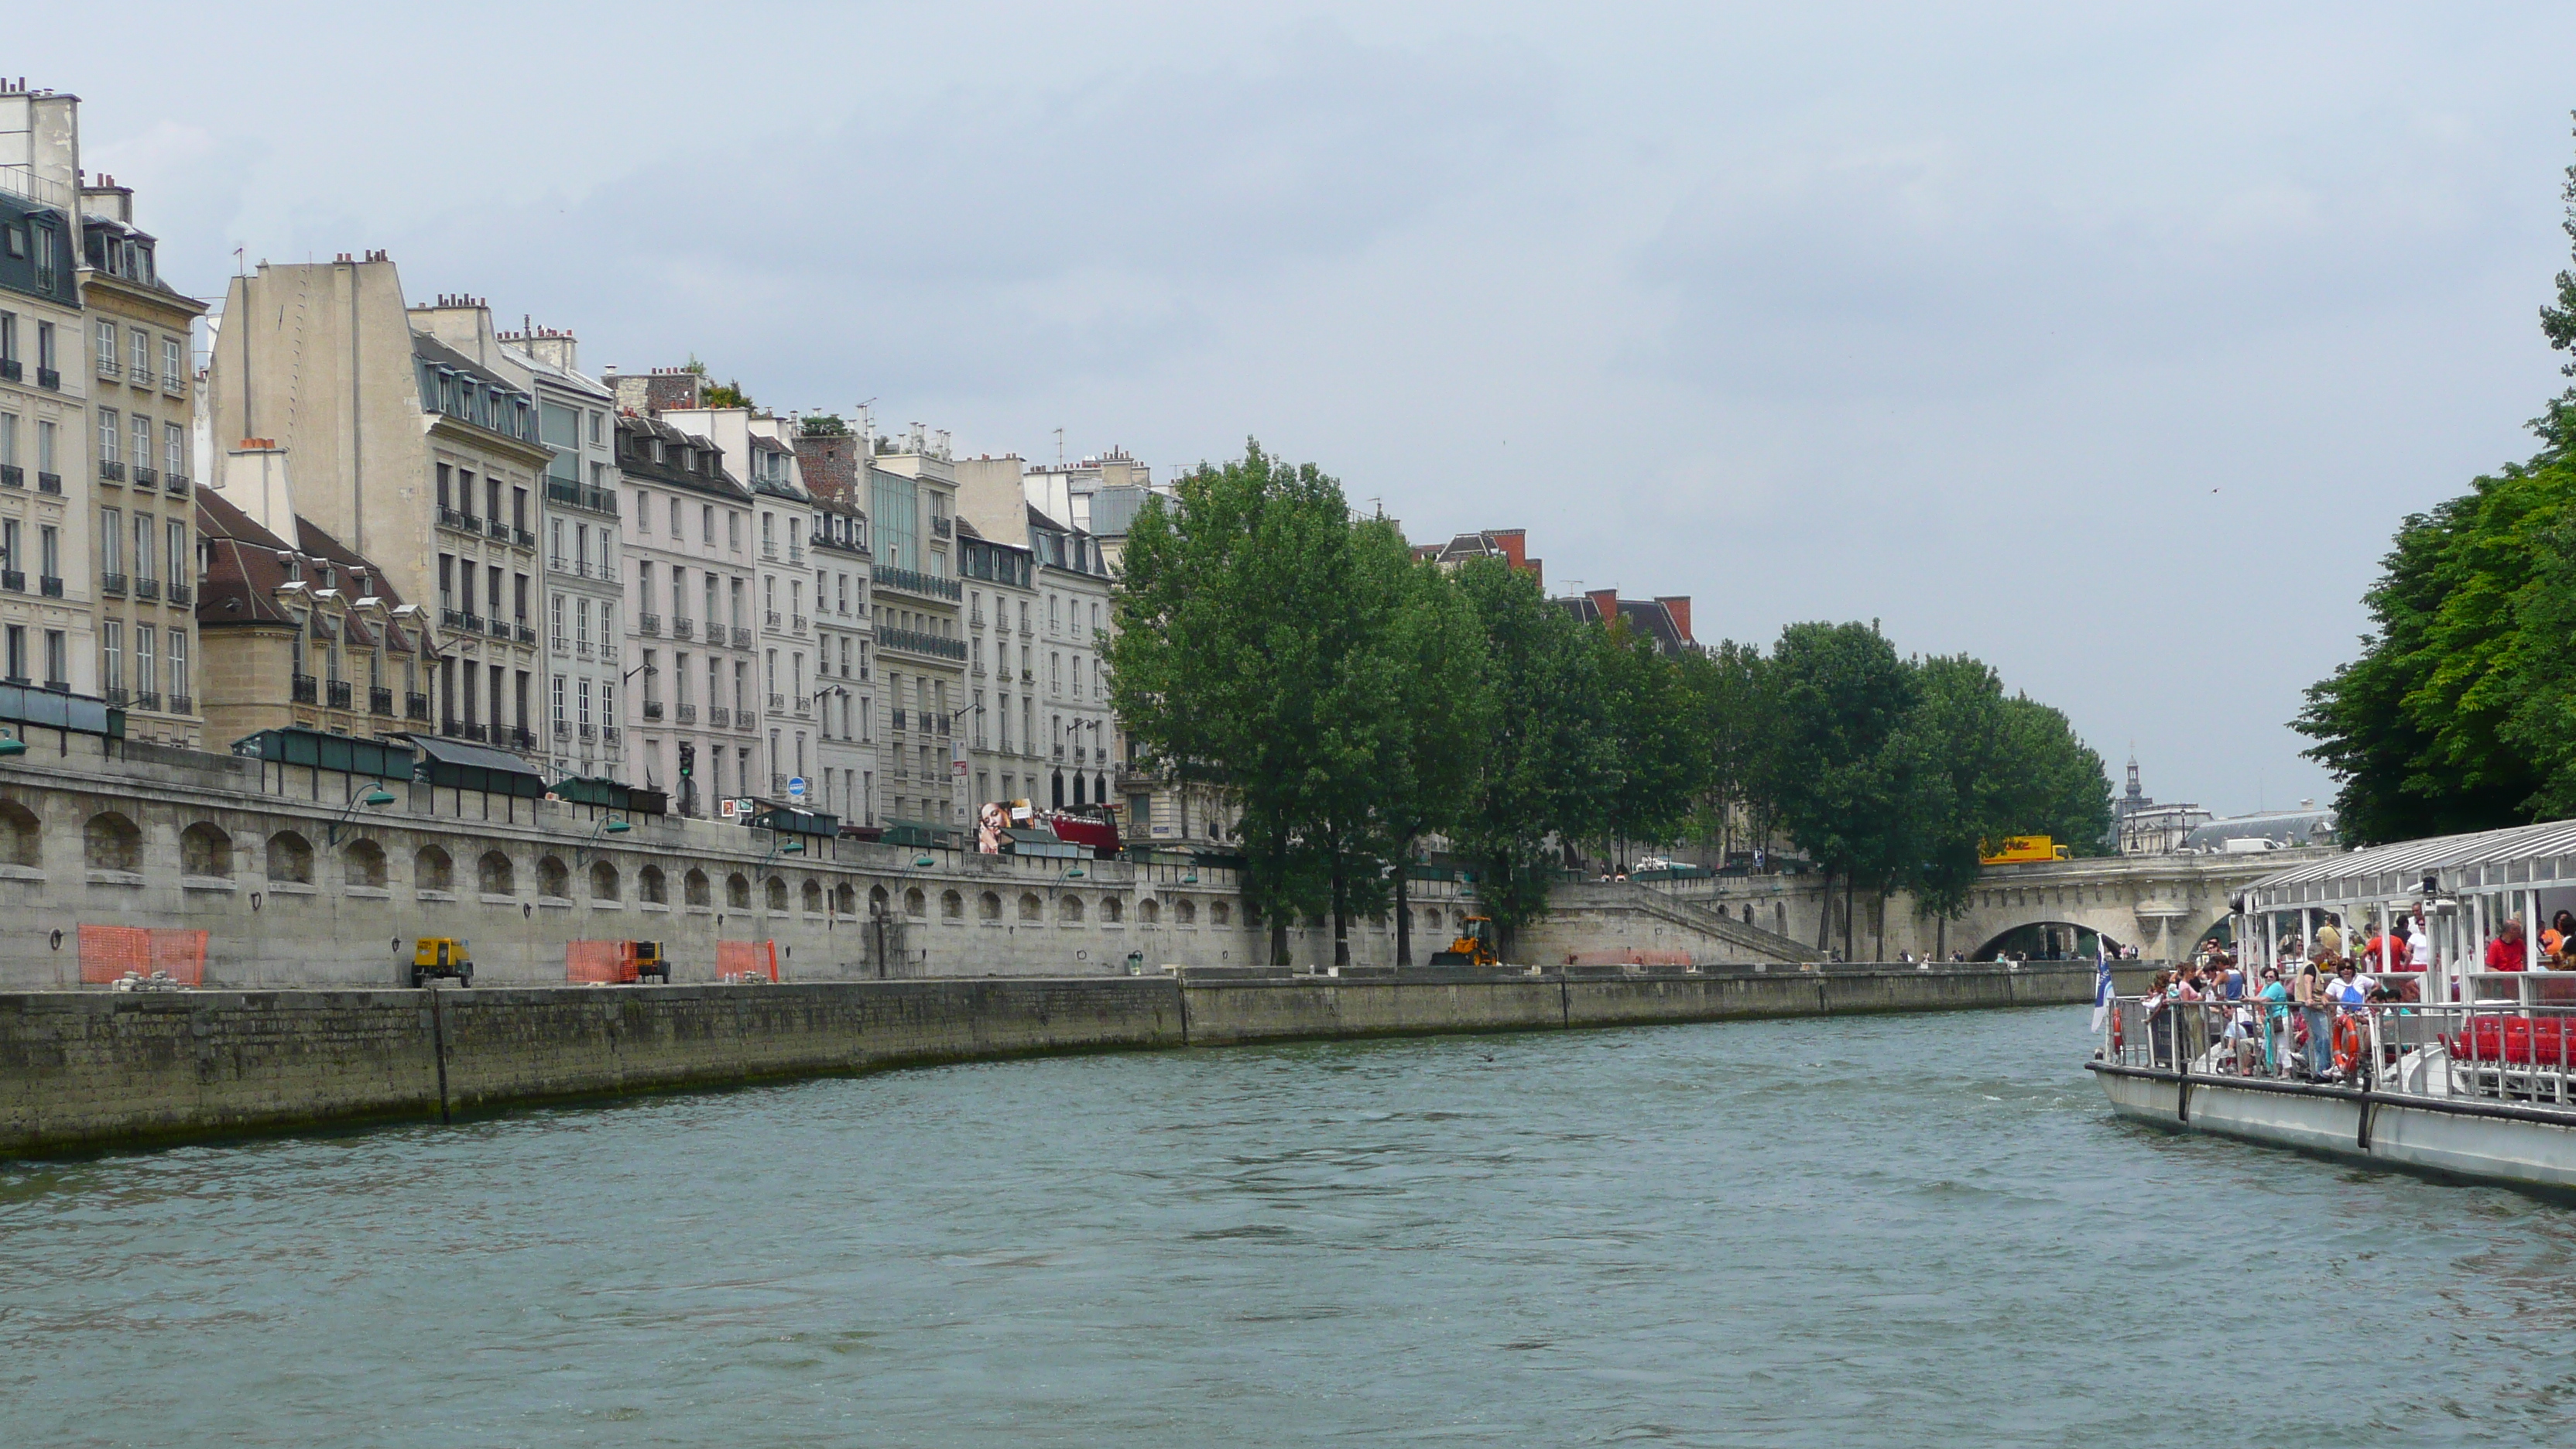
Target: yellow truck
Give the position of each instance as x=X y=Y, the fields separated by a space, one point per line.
x=442 y=956
x=2023 y=850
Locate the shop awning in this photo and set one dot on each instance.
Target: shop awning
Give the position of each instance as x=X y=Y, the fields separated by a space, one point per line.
x=79 y=713
x=612 y=795
x=458 y=765
x=793 y=820
x=289 y=745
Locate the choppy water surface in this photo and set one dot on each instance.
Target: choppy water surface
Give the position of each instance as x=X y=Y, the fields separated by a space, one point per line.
x=1919 y=1230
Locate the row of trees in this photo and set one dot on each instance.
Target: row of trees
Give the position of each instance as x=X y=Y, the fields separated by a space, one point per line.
x=1357 y=702
x=2454 y=717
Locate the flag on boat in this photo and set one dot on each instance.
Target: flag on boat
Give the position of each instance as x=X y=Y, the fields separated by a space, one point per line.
x=2101 y=984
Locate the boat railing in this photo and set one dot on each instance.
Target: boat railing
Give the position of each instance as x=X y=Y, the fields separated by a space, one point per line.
x=2500 y=1052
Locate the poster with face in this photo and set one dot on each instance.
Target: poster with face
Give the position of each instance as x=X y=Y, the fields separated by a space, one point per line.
x=990 y=821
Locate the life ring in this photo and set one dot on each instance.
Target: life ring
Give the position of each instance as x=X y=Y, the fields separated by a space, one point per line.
x=2347 y=1043
x=2119 y=1032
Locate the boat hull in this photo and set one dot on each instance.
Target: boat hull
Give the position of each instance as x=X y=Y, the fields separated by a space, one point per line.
x=2467 y=1138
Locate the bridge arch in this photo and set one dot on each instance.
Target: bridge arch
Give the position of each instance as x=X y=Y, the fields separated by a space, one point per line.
x=2047 y=941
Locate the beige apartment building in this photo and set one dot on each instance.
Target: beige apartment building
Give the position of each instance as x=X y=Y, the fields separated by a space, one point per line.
x=915 y=605
x=143 y=385
x=404 y=451
x=48 y=483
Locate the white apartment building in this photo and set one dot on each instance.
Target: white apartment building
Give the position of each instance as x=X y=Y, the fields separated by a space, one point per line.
x=582 y=590
x=831 y=465
x=1061 y=675
x=688 y=560
x=48 y=482
x=408 y=452
x=915 y=600
x=1004 y=753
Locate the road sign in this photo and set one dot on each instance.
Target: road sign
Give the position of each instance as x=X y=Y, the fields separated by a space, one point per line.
x=796 y=788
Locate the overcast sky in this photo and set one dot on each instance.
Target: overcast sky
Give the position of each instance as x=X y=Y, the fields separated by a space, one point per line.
x=2109 y=348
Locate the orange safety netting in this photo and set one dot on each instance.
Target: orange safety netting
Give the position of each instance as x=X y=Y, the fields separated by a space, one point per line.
x=738 y=959
x=107 y=953
x=594 y=961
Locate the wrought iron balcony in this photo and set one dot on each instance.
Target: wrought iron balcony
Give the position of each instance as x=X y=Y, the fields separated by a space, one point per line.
x=796 y=623
x=461 y=522
x=741 y=637
x=909 y=582
x=683 y=628
x=416 y=706
x=380 y=700
x=148 y=699
x=12 y=476
x=173 y=383
x=521 y=737
x=110 y=471
x=527 y=634
x=563 y=728
x=147 y=588
x=717 y=718
x=118 y=696
x=145 y=477
x=50 y=585
x=305 y=689
x=182 y=593
x=496 y=528
x=652 y=709
x=914 y=642
x=777 y=702
x=500 y=628
x=589 y=732
x=182 y=704
x=522 y=537
x=176 y=485
x=608 y=734
x=769 y=619
x=12 y=369
x=649 y=625
x=335 y=693
x=688 y=712
x=50 y=379
x=49 y=482
x=112 y=585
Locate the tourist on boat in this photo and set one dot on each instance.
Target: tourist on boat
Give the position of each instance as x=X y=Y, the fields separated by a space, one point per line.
x=2276 y=1018
x=2308 y=989
x=2158 y=1004
x=2329 y=942
x=2506 y=951
x=2553 y=941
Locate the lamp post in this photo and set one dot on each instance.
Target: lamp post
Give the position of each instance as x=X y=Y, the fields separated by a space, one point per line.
x=375 y=799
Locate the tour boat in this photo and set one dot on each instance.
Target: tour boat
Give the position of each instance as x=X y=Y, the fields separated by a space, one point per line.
x=2469 y=1073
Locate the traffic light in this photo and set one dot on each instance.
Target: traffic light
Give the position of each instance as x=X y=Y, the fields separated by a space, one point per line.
x=688 y=761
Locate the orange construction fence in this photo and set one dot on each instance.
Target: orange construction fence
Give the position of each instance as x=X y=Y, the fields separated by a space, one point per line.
x=736 y=960
x=107 y=953
x=586 y=962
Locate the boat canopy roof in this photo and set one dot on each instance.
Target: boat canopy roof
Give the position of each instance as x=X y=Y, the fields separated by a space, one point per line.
x=2487 y=860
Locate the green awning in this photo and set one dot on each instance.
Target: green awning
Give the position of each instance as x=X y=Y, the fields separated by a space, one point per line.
x=611 y=795
x=54 y=709
x=461 y=766
x=792 y=821
x=289 y=745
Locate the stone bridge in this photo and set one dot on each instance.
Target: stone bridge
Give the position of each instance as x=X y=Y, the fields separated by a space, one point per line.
x=2161 y=904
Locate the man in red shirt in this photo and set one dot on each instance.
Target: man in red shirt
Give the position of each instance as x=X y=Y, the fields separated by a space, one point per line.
x=2505 y=952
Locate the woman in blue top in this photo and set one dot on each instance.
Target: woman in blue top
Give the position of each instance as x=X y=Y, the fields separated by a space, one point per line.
x=2275 y=997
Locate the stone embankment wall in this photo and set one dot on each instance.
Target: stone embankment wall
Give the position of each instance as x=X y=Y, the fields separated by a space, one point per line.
x=87 y=1069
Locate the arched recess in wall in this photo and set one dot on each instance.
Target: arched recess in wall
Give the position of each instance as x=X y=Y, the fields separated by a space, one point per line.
x=206 y=849
x=952 y=906
x=1220 y=912
x=1149 y=911
x=362 y=863
x=879 y=903
x=111 y=842
x=494 y=874
x=650 y=886
x=811 y=897
x=915 y=904
x=737 y=892
x=1069 y=909
x=1185 y=912
x=845 y=900
x=693 y=888
x=1031 y=908
x=22 y=835
x=432 y=870
x=603 y=881
x=778 y=894
x=290 y=859
x=988 y=907
x=553 y=879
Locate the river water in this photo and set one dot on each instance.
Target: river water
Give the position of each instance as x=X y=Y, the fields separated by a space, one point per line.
x=1901 y=1230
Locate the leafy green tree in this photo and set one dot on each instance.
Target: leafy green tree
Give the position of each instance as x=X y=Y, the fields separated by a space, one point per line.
x=1841 y=694
x=1432 y=748
x=1660 y=737
x=1730 y=687
x=1546 y=758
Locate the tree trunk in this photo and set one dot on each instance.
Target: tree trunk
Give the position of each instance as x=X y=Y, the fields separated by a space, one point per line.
x=1941 y=939
x=1341 y=920
x=1847 y=920
x=1403 y=909
x=1878 y=926
x=1825 y=913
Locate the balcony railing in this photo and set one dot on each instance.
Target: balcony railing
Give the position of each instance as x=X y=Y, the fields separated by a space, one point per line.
x=521 y=737
x=182 y=593
x=608 y=734
x=173 y=383
x=49 y=482
x=522 y=537
x=496 y=528
x=50 y=585
x=769 y=619
x=112 y=585
x=563 y=728
x=182 y=704
x=107 y=365
x=929 y=587
x=48 y=378
x=117 y=696
x=500 y=628
x=305 y=689
x=899 y=717
x=145 y=477
x=741 y=638
x=416 y=706
x=110 y=471
x=12 y=369
x=914 y=642
x=461 y=522
x=527 y=634
x=12 y=476
x=176 y=485
x=589 y=731
x=335 y=693
x=652 y=709
x=717 y=717
x=147 y=588
x=683 y=628
x=688 y=712
x=649 y=625
x=940 y=525
x=380 y=700
x=769 y=549
x=13 y=580
x=148 y=699
x=744 y=721
x=777 y=702
x=796 y=623
x=574 y=495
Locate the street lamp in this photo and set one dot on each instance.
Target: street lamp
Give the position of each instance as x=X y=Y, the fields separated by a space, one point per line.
x=375 y=799
x=11 y=745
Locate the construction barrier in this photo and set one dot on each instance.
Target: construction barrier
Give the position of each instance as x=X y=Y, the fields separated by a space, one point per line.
x=109 y=953
x=593 y=962
x=740 y=960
